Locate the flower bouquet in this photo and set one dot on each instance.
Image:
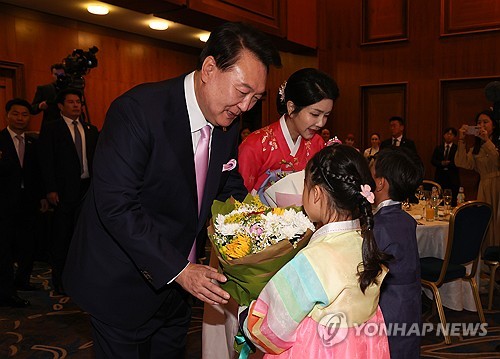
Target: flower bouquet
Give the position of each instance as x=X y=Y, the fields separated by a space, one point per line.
x=253 y=241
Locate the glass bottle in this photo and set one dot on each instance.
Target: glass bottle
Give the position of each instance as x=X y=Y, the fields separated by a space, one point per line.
x=460 y=196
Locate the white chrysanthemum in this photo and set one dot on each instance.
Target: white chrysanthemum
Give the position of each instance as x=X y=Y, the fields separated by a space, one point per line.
x=225 y=229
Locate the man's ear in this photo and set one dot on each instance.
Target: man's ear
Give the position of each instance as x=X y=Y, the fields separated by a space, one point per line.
x=207 y=68
x=380 y=183
x=60 y=106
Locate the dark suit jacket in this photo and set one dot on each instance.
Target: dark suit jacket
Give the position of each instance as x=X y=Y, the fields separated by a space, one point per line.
x=46 y=93
x=400 y=295
x=59 y=160
x=12 y=175
x=140 y=218
x=446 y=176
x=405 y=142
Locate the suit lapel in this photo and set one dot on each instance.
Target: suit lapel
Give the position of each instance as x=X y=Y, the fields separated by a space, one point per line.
x=177 y=131
x=11 y=147
x=89 y=142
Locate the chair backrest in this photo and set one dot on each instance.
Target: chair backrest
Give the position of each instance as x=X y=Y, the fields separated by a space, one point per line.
x=428 y=184
x=467 y=231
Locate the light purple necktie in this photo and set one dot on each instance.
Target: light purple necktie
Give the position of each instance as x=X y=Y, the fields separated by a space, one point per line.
x=21 y=149
x=201 y=166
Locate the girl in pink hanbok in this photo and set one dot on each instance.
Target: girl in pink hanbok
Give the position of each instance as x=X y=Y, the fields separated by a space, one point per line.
x=324 y=302
x=305 y=101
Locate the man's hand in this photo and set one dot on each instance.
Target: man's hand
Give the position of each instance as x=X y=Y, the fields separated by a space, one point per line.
x=199 y=280
x=44 y=205
x=461 y=132
x=53 y=198
x=43 y=105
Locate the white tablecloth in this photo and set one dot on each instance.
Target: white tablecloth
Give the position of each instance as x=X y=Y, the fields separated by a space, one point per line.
x=431 y=241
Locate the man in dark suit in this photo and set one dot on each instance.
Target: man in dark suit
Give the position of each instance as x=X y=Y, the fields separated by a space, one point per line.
x=21 y=198
x=443 y=158
x=140 y=223
x=45 y=96
x=397 y=174
x=66 y=149
x=398 y=139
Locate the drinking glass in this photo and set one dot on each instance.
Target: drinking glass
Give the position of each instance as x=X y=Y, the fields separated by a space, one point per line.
x=420 y=192
x=428 y=211
x=447 y=196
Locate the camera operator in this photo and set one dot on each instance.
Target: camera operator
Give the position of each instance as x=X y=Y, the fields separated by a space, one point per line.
x=45 y=96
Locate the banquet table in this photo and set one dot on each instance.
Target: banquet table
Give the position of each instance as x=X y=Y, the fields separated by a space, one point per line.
x=432 y=238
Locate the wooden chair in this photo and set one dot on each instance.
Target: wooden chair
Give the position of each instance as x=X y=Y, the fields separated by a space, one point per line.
x=428 y=184
x=491 y=258
x=466 y=233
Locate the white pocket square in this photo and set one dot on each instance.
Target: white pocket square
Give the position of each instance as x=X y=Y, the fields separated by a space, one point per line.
x=229 y=166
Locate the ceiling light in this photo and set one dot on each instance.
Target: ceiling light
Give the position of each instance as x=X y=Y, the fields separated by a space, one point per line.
x=204 y=37
x=158 y=24
x=98 y=9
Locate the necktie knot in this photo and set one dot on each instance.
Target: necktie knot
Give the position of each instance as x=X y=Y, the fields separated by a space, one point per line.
x=205 y=132
x=395 y=142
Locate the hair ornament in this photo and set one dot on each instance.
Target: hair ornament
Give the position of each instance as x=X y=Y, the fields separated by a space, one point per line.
x=281 y=91
x=366 y=191
x=333 y=140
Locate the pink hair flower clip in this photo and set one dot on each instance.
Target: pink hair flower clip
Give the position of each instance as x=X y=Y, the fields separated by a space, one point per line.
x=333 y=140
x=366 y=191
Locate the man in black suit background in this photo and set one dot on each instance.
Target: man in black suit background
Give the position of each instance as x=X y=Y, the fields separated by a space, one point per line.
x=66 y=149
x=130 y=264
x=21 y=198
x=45 y=96
x=443 y=158
x=397 y=128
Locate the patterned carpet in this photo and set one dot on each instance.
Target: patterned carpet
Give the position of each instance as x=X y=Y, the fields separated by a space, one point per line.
x=484 y=345
x=54 y=327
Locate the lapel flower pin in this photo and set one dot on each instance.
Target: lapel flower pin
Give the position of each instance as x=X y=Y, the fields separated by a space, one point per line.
x=229 y=166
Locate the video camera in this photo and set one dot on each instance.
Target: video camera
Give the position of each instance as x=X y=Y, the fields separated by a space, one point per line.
x=76 y=65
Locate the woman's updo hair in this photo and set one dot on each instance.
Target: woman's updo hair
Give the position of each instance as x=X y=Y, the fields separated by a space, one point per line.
x=340 y=170
x=304 y=88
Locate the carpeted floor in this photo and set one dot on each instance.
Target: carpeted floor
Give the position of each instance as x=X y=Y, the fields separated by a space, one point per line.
x=54 y=327
x=481 y=345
